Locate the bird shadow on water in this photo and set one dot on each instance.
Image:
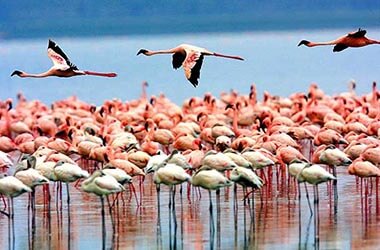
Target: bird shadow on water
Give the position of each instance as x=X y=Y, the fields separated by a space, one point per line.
x=172 y=220
x=11 y=224
x=248 y=228
x=304 y=244
x=172 y=223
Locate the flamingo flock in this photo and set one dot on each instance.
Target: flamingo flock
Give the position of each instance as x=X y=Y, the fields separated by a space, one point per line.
x=210 y=142
x=207 y=142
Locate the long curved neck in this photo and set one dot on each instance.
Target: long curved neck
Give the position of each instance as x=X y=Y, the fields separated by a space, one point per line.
x=41 y=75
x=156 y=52
x=235 y=121
x=312 y=44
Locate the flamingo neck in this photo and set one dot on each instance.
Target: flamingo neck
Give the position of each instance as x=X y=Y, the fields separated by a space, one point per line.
x=41 y=75
x=168 y=51
x=313 y=44
x=235 y=121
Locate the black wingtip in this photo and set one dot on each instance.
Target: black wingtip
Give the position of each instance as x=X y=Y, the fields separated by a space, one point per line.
x=51 y=44
x=194 y=83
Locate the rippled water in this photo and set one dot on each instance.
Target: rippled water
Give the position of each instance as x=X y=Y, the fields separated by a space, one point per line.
x=275 y=223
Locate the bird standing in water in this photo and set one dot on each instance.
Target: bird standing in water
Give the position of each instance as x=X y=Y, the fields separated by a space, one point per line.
x=62 y=67
x=189 y=57
x=353 y=39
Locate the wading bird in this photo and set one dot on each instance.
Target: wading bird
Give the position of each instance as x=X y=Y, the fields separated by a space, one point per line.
x=11 y=187
x=353 y=39
x=62 y=67
x=190 y=57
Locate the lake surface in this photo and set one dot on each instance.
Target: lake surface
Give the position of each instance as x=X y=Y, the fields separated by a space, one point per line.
x=273 y=62
x=276 y=223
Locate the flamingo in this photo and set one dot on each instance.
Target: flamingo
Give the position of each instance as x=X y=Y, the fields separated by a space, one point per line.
x=314 y=174
x=211 y=179
x=179 y=159
x=62 y=67
x=67 y=172
x=30 y=177
x=294 y=168
x=353 y=39
x=11 y=187
x=237 y=158
x=102 y=185
x=169 y=174
x=246 y=178
x=5 y=160
x=190 y=57
x=333 y=157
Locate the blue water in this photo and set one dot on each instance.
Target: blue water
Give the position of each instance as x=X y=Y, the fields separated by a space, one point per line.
x=273 y=62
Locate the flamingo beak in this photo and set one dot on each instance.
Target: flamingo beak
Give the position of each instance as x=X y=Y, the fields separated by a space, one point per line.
x=142 y=51
x=16 y=72
x=304 y=42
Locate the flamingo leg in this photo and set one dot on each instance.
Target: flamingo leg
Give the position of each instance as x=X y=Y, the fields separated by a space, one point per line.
x=134 y=192
x=308 y=199
x=299 y=212
x=158 y=195
x=68 y=193
x=110 y=211
x=3 y=199
x=103 y=223
x=316 y=217
x=3 y=211
x=335 y=185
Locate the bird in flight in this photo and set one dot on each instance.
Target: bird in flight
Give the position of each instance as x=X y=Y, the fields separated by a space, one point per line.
x=353 y=39
x=62 y=67
x=189 y=57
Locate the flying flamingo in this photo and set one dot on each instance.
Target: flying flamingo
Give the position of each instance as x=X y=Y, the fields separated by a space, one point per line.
x=62 y=67
x=190 y=57
x=352 y=39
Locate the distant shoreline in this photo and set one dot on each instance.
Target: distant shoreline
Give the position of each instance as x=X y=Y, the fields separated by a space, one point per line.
x=165 y=25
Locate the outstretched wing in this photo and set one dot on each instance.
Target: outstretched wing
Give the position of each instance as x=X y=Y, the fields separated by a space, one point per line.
x=192 y=66
x=357 y=34
x=58 y=57
x=178 y=59
x=339 y=47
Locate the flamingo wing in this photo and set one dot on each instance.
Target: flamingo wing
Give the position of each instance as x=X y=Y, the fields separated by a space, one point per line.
x=58 y=57
x=192 y=66
x=357 y=34
x=178 y=59
x=339 y=47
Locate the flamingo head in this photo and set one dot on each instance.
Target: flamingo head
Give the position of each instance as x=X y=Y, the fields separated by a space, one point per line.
x=17 y=72
x=304 y=42
x=142 y=51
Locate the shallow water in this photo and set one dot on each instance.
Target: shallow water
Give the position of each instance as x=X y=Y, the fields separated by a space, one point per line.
x=275 y=223
x=274 y=63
